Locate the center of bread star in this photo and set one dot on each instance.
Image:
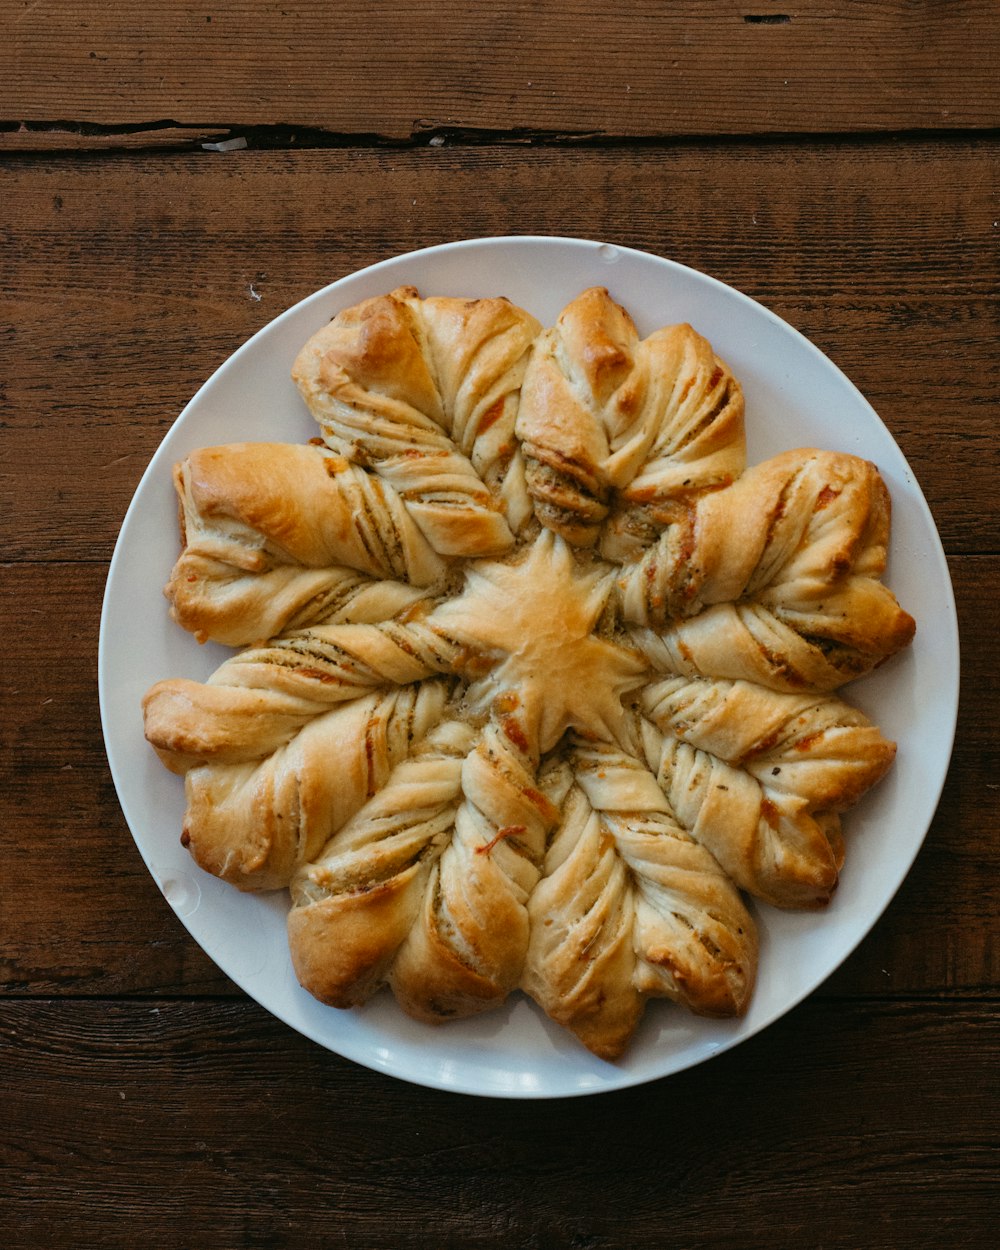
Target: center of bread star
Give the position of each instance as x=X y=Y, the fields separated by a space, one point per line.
x=536 y=617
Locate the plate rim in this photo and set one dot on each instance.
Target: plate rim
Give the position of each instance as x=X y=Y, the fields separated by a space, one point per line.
x=947 y=718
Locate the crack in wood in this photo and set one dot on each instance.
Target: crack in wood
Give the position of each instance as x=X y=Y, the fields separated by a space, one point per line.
x=282 y=133
x=57 y=135
x=166 y=136
x=96 y=128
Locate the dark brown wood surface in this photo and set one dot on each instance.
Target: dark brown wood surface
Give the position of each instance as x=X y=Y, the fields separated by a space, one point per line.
x=839 y=163
x=396 y=68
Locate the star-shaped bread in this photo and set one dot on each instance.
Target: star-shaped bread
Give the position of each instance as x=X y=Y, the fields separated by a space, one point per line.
x=535 y=683
x=538 y=615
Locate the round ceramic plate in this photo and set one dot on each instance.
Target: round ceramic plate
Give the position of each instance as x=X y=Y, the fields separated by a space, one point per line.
x=795 y=397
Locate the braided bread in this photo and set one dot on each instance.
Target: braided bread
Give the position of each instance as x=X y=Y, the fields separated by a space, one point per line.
x=257 y=700
x=603 y=412
x=774 y=579
x=278 y=536
x=630 y=906
x=425 y=393
x=255 y=822
x=426 y=887
x=536 y=679
x=759 y=777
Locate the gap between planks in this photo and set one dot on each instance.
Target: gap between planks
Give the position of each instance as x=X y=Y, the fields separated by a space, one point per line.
x=67 y=137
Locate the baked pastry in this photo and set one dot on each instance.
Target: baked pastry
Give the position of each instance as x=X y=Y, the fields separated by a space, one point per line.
x=630 y=906
x=276 y=536
x=607 y=420
x=539 y=680
x=425 y=394
x=775 y=579
x=760 y=778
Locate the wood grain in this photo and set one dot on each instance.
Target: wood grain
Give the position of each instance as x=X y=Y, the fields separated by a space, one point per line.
x=263 y=1139
x=400 y=69
x=834 y=160
x=131 y=278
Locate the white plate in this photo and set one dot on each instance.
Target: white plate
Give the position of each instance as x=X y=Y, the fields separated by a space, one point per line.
x=795 y=397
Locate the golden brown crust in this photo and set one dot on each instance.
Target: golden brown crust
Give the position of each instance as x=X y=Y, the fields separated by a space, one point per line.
x=472 y=826
x=255 y=823
x=342 y=946
x=278 y=536
x=775 y=579
x=608 y=420
x=256 y=701
x=424 y=392
x=758 y=777
x=631 y=906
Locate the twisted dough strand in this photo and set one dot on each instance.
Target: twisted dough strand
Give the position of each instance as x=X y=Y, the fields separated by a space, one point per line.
x=255 y=823
x=426 y=887
x=466 y=951
x=278 y=536
x=354 y=905
x=425 y=392
x=774 y=579
x=258 y=699
x=603 y=412
x=758 y=777
x=630 y=906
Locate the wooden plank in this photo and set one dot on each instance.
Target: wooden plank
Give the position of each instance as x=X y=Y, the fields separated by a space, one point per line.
x=81 y=913
x=69 y=855
x=118 y=1116
x=397 y=68
x=130 y=278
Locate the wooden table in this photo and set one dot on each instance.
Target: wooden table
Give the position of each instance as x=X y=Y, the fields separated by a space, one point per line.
x=837 y=162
